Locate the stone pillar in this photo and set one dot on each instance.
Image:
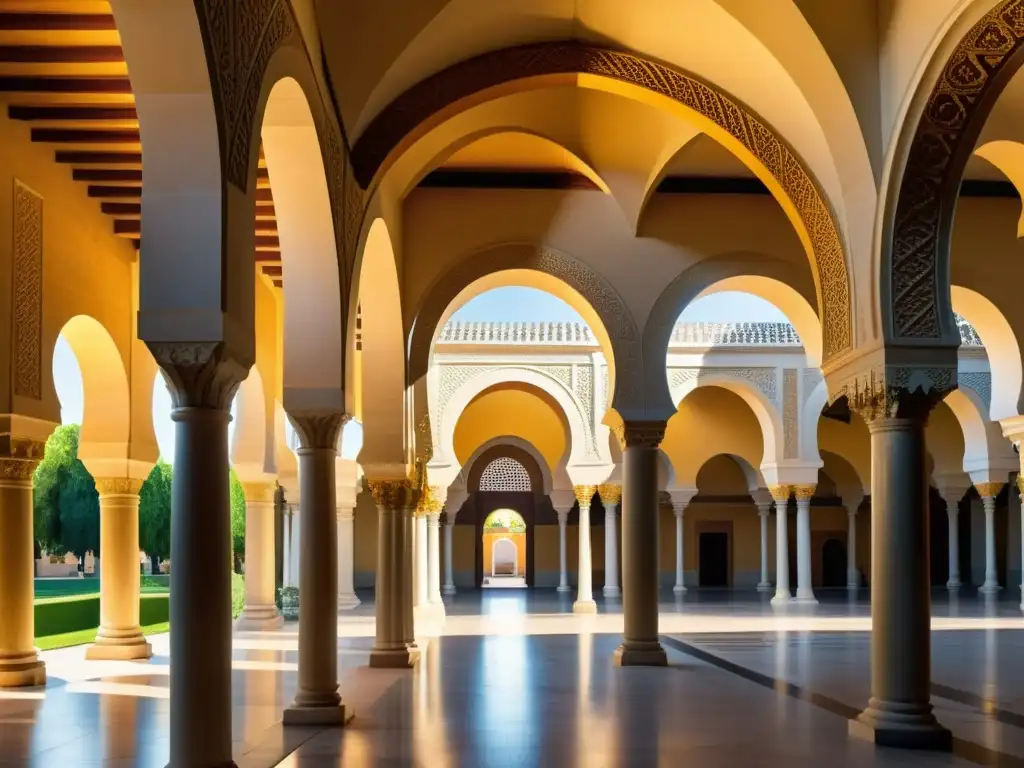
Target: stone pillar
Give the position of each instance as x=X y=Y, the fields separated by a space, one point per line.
x=20 y=665
x=286 y=545
x=119 y=636
x=988 y=493
x=202 y=380
x=679 y=510
x=804 y=588
x=640 y=645
x=1020 y=495
x=563 y=572
x=951 y=496
x=296 y=554
x=452 y=504
x=585 y=568
x=852 y=572
x=764 y=508
x=260 y=612
x=317 y=701
x=346 y=555
x=780 y=494
x=434 y=562
x=611 y=495
x=394 y=500
x=899 y=713
x=421 y=560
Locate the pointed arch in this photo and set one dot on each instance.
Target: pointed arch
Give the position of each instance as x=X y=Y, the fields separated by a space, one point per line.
x=1001 y=348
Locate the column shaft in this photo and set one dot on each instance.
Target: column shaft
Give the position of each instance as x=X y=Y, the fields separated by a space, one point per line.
x=991 y=584
x=394 y=499
x=953 y=513
x=782 y=593
x=260 y=612
x=346 y=559
x=434 y=562
x=286 y=546
x=407 y=564
x=422 y=577
x=611 y=551
x=899 y=712
x=449 y=576
x=804 y=588
x=640 y=644
x=19 y=663
x=680 y=585
x=852 y=573
x=764 y=585
x=585 y=576
x=119 y=636
x=563 y=572
x=296 y=556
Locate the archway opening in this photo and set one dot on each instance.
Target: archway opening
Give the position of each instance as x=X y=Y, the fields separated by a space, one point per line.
x=504 y=547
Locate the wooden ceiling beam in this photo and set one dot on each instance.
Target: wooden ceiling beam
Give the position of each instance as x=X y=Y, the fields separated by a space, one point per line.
x=86 y=135
x=89 y=157
x=72 y=112
x=57 y=22
x=127 y=227
x=125 y=210
x=267 y=241
x=61 y=54
x=262 y=256
x=65 y=84
x=272 y=270
x=108 y=175
x=106 y=191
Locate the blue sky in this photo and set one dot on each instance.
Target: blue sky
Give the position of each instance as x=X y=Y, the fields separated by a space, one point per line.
x=511 y=304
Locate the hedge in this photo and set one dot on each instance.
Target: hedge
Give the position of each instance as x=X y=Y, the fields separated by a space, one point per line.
x=72 y=615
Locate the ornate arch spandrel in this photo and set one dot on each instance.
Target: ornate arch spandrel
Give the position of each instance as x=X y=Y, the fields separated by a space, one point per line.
x=437 y=93
x=971 y=80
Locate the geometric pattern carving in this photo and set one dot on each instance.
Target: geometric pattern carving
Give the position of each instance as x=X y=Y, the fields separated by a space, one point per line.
x=790 y=427
x=764 y=379
x=980 y=382
x=585 y=390
x=28 y=291
x=812 y=377
x=971 y=81
x=505 y=474
x=490 y=70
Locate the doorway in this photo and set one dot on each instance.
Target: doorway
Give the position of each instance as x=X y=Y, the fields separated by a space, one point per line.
x=713 y=559
x=833 y=563
x=504 y=550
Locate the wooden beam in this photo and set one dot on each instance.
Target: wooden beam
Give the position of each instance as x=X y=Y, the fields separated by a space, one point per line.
x=65 y=84
x=57 y=22
x=124 y=210
x=264 y=196
x=92 y=157
x=127 y=227
x=106 y=175
x=61 y=54
x=272 y=270
x=268 y=256
x=114 y=192
x=267 y=241
x=86 y=135
x=73 y=112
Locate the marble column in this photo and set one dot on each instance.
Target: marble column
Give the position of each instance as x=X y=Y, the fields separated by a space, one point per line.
x=260 y=612
x=988 y=493
x=421 y=576
x=296 y=553
x=20 y=664
x=1020 y=495
x=317 y=701
x=394 y=500
x=764 y=509
x=120 y=636
x=347 y=599
x=286 y=545
x=611 y=496
x=780 y=494
x=202 y=381
x=434 y=562
x=406 y=574
x=640 y=645
x=804 y=587
x=899 y=713
x=679 y=510
x=951 y=497
x=452 y=504
x=852 y=572
x=563 y=572
x=585 y=568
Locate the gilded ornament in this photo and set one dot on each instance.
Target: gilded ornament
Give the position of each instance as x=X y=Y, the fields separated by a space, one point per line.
x=610 y=493
x=780 y=493
x=393 y=494
x=1020 y=486
x=640 y=434
x=17 y=469
x=259 y=492
x=584 y=494
x=803 y=492
x=989 y=490
x=118 y=486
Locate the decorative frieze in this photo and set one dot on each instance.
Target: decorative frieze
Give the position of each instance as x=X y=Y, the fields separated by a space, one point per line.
x=28 y=292
x=119 y=486
x=790 y=415
x=763 y=378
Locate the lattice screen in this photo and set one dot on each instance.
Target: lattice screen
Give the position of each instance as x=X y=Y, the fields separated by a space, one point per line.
x=505 y=474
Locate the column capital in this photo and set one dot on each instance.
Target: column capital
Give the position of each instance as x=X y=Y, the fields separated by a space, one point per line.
x=319 y=429
x=393 y=494
x=883 y=392
x=989 y=490
x=117 y=486
x=804 y=492
x=200 y=374
x=19 y=457
x=610 y=493
x=345 y=513
x=1020 y=486
x=259 y=492
x=764 y=508
x=584 y=494
x=780 y=493
x=431 y=501
x=563 y=516
x=640 y=434
x=454 y=499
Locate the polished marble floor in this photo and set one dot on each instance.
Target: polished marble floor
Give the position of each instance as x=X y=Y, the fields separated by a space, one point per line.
x=513 y=678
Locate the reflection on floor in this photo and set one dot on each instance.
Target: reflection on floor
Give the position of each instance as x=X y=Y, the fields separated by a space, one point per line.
x=515 y=679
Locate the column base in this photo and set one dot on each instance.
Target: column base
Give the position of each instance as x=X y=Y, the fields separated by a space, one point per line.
x=901 y=726
x=122 y=647
x=640 y=654
x=853 y=587
x=611 y=592
x=584 y=606
x=22 y=671
x=348 y=602
x=765 y=586
x=395 y=658
x=448 y=589
x=563 y=588
x=953 y=586
x=335 y=714
x=679 y=589
x=805 y=598
x=989 y=589
x=782 y=598
x=258 y=618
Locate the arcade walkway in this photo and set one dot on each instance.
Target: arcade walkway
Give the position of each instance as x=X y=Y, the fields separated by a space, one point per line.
x=517 y=680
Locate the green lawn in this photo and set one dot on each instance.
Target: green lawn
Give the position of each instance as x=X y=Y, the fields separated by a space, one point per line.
x=45 y=589
x=83 y=636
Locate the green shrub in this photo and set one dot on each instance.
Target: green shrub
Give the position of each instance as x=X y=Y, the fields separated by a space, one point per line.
x=154 y=609
x=237 y=594
x=58 y=617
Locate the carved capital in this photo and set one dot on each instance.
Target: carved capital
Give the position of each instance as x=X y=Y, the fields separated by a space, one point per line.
x=199 y=375
x=19 y=457
x=804 y=492
x=319 y=429
x=640 y=434
x=430 y=502
x=118 y=486
x=394 y=494
x=1020 y=486
x=610 y=493
x=780 y=493
x=989 y=490
x=584 y=494
x=897 y=392
x=259 y=492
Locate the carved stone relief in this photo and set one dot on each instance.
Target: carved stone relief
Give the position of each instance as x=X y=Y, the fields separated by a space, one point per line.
x=980 y=382
x=790 y=416
x=28 y=291
x=764 y=379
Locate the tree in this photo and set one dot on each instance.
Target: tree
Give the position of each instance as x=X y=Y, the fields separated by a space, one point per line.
x=79 y=505
x=237 y=519
x=65 y=503
x=155 y=514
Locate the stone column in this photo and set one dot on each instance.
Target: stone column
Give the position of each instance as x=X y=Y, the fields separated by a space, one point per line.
x=780 y=494
x=421 y=576
x=852 y=573
x=899 y=713
x=286 y=545
x=317 y=701
x=804 y=587
x=434 y=562
x=260 y=612
x=1020 y=493
x=585 y=570
x=119 y=636
x=452 y=504
x=764 y=508
x=611 y=495
x=679 y=510
x=988 y=493
x=296 y=554
x=202 y=380
x=394 y=500
x=951 y=496
x=346 y=555
x=20 y=665
x=640 y=645
x=563 y=572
